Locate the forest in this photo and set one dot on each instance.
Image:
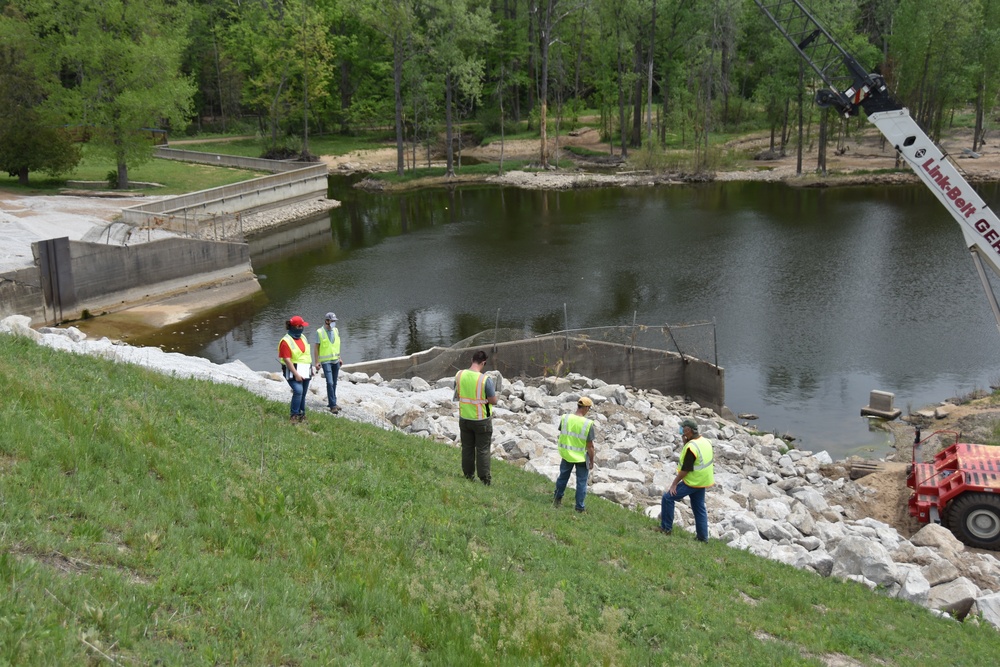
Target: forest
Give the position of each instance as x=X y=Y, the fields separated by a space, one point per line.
x=655 y=73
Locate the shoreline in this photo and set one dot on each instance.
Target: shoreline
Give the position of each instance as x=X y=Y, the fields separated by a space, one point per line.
x=780 y=503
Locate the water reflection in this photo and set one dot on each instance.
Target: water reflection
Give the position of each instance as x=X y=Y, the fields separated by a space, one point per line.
x=818 y=296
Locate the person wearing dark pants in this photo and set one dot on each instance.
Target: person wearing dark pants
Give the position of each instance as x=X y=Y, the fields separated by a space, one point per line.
x=576 y=447
x=695 y=473
x=476 y=396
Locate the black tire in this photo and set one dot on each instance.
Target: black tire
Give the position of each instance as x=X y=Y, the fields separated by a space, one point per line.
x=974 y=518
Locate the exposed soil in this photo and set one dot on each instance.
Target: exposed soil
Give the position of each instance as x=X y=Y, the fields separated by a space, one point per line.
x=853 y=163
x=967 y=421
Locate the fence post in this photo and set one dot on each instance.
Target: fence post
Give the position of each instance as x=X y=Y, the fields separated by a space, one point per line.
x=565 y=328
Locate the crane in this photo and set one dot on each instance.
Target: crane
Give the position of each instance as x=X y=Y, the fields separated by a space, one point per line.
x=850 y=87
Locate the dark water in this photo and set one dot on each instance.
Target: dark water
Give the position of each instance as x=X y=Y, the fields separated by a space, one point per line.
x=818 y=296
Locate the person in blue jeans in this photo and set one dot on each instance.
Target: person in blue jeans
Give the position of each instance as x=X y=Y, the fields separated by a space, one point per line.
x=695 y=473
x=296 y=365
x=576 y=446
x=326 y=355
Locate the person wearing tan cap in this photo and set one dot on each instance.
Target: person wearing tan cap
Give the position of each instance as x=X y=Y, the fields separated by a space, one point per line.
x=296 y=365
x=576 y=446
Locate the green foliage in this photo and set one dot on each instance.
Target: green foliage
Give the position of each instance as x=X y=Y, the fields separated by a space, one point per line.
x=152 y=519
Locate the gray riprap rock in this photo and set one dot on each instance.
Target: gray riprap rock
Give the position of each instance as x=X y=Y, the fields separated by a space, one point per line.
x=859 y=556
x=775 y=531
x=937 y=537
x=907 y=553
x=613 y=492
x=656 y=418
x=989 y=607
x=914 y=586
x=613 y=392
x=809 y=543
x=803 y=522
x=940 y=571
x=954 y=594
x=534 y=397
x=549 y=432
x=419 y=384
x=640 y=455
x=791 y=554
x=557 y=385
x=809 y=497
x=776 y=509
x=619 y=475
x=606 y=457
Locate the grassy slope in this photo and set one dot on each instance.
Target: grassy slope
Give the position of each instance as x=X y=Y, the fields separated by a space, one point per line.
x=156 y=519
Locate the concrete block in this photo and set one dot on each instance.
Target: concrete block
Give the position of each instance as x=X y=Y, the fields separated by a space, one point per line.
x=880 y=404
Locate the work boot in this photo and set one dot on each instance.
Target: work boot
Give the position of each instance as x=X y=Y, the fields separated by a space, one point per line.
x=558 y=502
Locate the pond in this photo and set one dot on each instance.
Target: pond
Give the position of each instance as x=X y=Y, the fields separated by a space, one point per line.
x=817 y=296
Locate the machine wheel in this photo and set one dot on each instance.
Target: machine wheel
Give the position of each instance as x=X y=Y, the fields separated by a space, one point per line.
x=974 y=518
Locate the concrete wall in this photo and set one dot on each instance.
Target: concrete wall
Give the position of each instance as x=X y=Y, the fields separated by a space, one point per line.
x=640 y=367
x=255 y=163
x=21 y=294
x=78 y=276
x=187 y=212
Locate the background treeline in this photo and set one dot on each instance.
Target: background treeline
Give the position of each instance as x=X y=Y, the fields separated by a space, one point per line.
x=654 y=72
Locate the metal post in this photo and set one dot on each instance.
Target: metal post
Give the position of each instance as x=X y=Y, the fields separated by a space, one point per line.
x=635 y=313
x=566 y=327
x=496 y=328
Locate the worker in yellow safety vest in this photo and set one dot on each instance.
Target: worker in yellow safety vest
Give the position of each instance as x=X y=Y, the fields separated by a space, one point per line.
x=576 y=447
x=695 y=473
x=296 y=365
x=326 y=352
x=476 y=395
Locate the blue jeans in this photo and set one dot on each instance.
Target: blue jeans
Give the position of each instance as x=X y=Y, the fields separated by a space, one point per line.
x=331 y=369
x=299 y=392
x=697 y=506
x=582 y=473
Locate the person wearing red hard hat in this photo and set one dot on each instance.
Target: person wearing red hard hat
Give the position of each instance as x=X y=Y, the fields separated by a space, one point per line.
x=296 y=365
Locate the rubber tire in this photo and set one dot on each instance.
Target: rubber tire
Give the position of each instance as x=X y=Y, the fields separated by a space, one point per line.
x=974 y=518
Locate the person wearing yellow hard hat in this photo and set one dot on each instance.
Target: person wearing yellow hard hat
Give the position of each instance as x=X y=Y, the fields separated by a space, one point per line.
x=576 y=447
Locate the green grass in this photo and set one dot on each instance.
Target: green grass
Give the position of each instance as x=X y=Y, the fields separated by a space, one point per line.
x=151 y=520
x=175 y=177
x=327 y=144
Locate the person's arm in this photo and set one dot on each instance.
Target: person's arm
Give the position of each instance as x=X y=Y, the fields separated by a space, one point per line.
x=491 y=394
x=686 y=466
x=315 y=358
x=285 y=354
x=590 y=448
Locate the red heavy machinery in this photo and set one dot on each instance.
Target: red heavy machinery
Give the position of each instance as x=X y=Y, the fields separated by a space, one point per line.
x=960 y=487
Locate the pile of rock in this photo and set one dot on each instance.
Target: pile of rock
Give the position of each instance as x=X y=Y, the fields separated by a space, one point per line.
x=771 y=500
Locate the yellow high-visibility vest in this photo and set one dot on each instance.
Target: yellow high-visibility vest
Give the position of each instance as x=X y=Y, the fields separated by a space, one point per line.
x=328 y=350
x=301 y=358
x=703 y=474
x=573 y=432
x=472 y=401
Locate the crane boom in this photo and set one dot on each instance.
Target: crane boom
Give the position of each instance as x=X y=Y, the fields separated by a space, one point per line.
x=850 y=86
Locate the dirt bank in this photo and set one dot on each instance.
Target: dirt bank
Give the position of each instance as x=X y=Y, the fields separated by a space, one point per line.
x=862 y=159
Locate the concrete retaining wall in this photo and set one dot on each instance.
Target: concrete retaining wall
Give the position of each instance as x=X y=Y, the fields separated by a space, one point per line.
x=640 y=367
x=187 y=213
x=76 y=276
x=255 y=163
x=21 y=294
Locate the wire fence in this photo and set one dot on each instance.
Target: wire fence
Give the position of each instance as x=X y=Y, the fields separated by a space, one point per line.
x=692 y=340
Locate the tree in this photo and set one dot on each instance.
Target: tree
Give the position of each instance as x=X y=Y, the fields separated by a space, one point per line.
x=396 y=21
x=120 y=64
x=30 y=138
x=455 y=31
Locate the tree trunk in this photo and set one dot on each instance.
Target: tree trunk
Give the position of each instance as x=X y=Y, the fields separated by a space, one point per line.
x=397 y=83
x=802 y=85
x=636 y=139
x=449 y=171
x=821 y=149
x=22 y=176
